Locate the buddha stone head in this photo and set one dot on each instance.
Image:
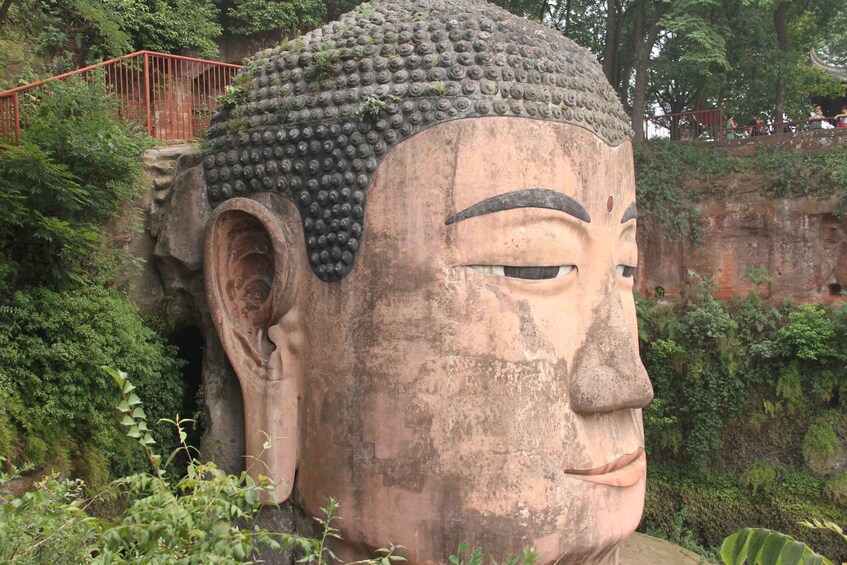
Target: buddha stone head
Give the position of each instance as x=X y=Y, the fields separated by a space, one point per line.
x=420 y=266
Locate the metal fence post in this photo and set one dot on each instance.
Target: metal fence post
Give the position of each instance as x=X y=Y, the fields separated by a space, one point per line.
x=17 y=120
x=147 y=92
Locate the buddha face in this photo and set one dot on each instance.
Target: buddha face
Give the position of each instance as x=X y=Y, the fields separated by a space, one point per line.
x=476 y=376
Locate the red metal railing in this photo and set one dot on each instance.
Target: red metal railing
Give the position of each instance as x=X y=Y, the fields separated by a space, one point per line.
x=169 y=96
x=701 y=124
x=708 y=125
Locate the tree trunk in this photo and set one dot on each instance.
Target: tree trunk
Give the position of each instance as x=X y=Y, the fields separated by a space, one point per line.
x=780 y=22
x=643 y=47
x=567 y=18
x=640 y=88
x=627 y=65
x=4 y=9
x=610 y=52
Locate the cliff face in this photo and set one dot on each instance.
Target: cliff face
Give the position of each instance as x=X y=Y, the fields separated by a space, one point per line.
x=800 y=242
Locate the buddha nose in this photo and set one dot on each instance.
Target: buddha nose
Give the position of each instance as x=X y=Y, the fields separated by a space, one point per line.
x=608 y=373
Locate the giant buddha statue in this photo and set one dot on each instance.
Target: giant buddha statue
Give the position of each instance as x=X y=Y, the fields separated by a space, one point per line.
x=420 y=266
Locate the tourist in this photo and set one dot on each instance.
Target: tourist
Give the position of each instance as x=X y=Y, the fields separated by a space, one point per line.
x=816 y=118
x=732 y=128
x=841 y=119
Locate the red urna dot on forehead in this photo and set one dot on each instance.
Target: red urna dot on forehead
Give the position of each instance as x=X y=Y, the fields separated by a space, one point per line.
x=610 y=203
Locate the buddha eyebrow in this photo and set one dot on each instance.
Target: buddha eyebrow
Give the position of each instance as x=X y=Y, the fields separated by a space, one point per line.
x=526 y=198
x=631 y=213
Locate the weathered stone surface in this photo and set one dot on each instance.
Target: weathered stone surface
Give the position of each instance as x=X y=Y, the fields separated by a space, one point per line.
x=438 y=396
x=164 y=228
x=801 y=242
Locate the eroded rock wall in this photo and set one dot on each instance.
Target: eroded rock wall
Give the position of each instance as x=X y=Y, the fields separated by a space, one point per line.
x=800 y=242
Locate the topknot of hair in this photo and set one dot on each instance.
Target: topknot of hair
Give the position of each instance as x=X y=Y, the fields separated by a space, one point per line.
x=312 y=118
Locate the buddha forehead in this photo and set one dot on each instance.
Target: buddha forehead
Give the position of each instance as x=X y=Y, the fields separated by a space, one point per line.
x=312 y=120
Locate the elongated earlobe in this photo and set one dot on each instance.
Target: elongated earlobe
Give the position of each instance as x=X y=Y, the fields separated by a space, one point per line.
x=251 y=285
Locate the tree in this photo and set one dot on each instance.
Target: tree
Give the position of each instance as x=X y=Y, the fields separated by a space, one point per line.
x=82 y=31
x=288 y=17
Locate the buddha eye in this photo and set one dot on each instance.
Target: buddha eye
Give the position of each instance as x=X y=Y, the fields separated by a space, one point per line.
x=624 y=270
x=527 y=273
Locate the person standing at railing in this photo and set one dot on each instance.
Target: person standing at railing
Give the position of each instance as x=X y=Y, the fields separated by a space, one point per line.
x=757 y=126
x=841 y=119
x=817 y=118
x=732 y=128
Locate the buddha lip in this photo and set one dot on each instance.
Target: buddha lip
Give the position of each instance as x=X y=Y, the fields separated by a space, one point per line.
x=624 y=471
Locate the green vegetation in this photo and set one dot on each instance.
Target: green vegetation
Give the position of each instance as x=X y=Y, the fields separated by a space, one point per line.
x=57 y=403
x=69 y=34
x=766 y=547
x=373 y=105
x=248 y=17
x=671 y=178
x=726 y=372
x=202 y=516
x=74 y=168
x=60 y=315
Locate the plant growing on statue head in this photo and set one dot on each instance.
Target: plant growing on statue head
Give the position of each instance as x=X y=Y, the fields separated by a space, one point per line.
x=437 y=88
x=324 y=62
x=373 y=105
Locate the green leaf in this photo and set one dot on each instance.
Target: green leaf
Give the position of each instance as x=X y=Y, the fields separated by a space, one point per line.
x=127 y=421
x=128 y=387
x=746 y=546
x=138 y=412
x=772 y=548
x=734 y=546
x=133 y=399
x=757 y=540
x=793 y=553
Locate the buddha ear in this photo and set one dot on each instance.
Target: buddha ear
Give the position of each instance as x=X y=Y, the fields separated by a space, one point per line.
x=251 y=284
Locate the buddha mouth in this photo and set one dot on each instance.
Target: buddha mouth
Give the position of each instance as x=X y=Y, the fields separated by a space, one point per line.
x=624 y=471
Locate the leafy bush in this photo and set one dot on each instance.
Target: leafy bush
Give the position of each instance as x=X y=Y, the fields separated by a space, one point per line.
x=713 y=506
x=797 y=173
x=692 y=363
x=58 y=403
x=663 y=172
x=743 y=391
x=836 y=489
x=75 y=167
x=46 y=525
x=205 y=516
x=759 y=478
x=820 y=447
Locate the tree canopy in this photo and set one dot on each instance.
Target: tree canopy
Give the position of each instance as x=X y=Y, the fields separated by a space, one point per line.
x=660 y=55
